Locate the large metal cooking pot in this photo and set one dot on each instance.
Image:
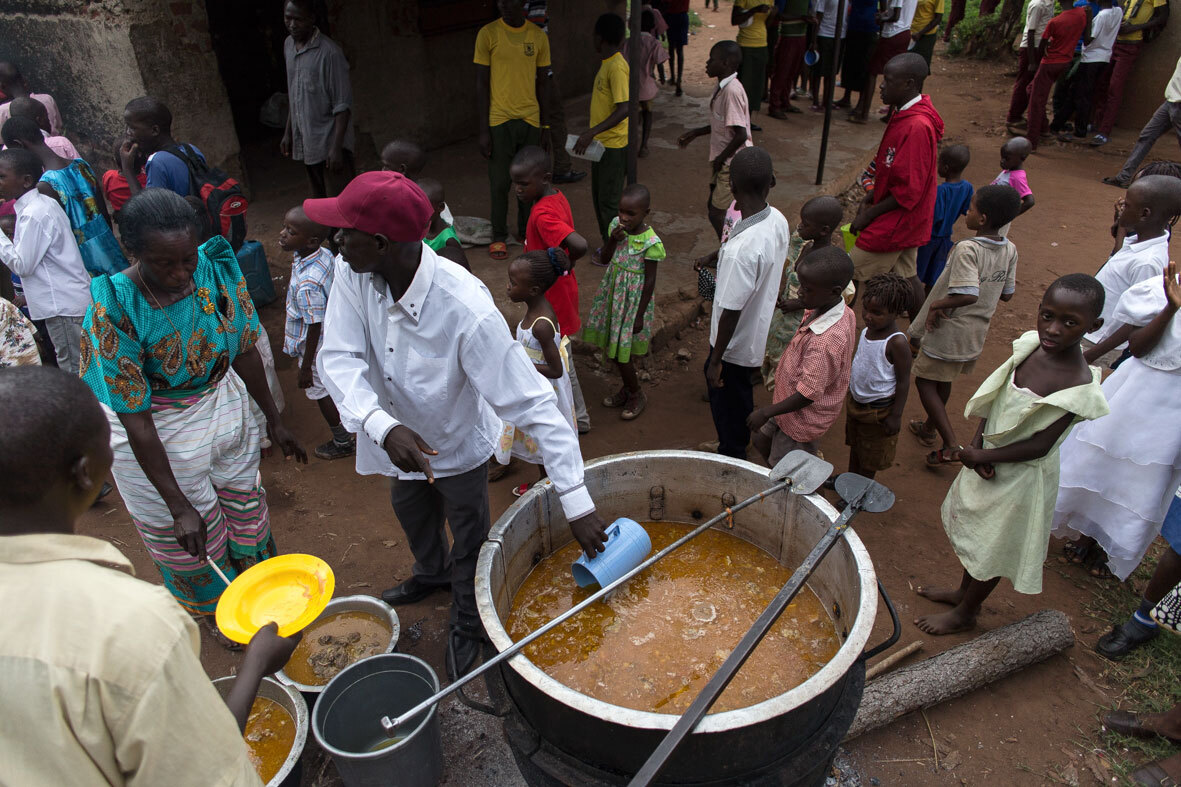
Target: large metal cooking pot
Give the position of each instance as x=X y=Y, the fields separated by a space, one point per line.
x=684 y=486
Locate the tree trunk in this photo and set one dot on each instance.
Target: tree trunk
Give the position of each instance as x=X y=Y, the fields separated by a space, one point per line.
x=962 y=669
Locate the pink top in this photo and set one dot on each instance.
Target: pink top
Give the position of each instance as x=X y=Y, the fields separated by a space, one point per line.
x=55 y=117
x=817 y=364
x=1015 y=178
x=661 y=26
x=651 y=53
x=61 y=146
x=727 y=109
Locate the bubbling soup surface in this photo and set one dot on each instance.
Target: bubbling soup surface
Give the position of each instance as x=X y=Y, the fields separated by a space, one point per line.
x=654 y=643
x=270 y=734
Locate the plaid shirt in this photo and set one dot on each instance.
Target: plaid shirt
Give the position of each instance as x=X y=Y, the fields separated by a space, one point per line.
x=307 y=298
x=816 y=364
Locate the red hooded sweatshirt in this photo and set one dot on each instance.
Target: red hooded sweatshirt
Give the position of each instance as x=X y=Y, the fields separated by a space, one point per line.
x=906 y=167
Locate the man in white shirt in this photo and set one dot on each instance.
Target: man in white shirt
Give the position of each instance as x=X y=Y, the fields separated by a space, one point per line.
x=750 y=266
x=1098 y=40
x=44 y=253
x=1037 y=15
x=1166 y=118
x=423 y=369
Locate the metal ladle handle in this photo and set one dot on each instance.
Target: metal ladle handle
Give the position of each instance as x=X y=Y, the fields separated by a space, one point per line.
x=390 y=726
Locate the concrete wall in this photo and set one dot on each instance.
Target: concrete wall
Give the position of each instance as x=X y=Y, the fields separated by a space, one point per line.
x=1146 y=87
x=94 y=57
x=424 y=88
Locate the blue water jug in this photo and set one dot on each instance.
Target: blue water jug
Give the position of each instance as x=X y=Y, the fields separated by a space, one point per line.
x=627 y=546
x=252 y=259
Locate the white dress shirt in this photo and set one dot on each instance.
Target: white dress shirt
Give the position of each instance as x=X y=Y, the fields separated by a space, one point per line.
x=750 y=266
x=906 y=9
x=1104 y=28
x=44 y=253
x=1133 y=263
x=440 y=361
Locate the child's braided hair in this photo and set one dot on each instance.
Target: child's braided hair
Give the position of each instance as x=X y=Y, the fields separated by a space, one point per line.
x=890 y=291
x=546 y=267
x=1170 y=168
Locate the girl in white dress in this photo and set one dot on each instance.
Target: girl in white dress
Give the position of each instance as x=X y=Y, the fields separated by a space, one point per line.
x=529 y=276
x=1119 y=472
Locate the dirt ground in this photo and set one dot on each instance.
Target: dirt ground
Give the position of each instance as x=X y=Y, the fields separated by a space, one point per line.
x=1022 y=730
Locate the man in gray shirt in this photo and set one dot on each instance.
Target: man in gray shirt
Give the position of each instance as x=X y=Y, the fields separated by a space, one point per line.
x=319 y=121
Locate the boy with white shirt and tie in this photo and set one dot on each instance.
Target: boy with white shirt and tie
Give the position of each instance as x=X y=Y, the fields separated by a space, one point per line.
x=44 y=253
x=418 y=360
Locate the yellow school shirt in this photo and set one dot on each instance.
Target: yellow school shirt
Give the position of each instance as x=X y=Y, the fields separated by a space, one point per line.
x=924 y=12
x=755 y=32
x=513 y=54
x=1138 y=12
x=610 y=89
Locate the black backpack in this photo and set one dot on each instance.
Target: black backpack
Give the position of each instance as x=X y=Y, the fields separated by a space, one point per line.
x=220 y=196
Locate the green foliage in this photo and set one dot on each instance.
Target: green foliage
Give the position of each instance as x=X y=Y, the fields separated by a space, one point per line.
x=985 y=37
x=695 y=20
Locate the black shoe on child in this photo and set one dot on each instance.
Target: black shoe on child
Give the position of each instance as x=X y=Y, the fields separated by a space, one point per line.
x=410 y=591
x=334 y=450
x=1123 y=639
x=573 y=176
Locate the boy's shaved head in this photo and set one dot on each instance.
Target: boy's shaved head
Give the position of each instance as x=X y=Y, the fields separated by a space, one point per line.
x=751 y=170
x=910 y=65
x=23 y=130
x=829 y=266
x=1087 y=287
x=51 y=420
x=22 y=163
x=151 y=110
x=402 y=155
x=1162 y=193
x=433 y=190
x=31 y=108
x=297 y=217
x=956 y=157
x=533 y=158
x=823 y=211
x=728 y=51
x=637 y=194
x=1019 y=146
x=611 y=28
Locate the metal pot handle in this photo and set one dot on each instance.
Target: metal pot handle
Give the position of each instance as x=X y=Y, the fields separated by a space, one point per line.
x=869 y=654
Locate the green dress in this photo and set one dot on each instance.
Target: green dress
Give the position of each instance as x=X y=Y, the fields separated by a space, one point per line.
x=616 y=304
x=784 y=324
x=1001 y=527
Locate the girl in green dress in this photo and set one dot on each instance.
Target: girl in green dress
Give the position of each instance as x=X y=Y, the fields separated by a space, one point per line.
x=623 y=311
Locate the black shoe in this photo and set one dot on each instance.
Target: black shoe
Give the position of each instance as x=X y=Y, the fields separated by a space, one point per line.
x=464 y=644
x=573 y=176
x=106 y=490
x=334 y=450
x=410 y=591
x=1123 y=639
x=755 y=127
x=1117 y=182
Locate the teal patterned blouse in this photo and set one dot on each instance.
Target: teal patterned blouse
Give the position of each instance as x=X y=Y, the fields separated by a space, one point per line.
x=131 y=350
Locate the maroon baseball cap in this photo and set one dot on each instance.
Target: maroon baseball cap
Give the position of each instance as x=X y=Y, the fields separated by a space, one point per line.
x=379 y=203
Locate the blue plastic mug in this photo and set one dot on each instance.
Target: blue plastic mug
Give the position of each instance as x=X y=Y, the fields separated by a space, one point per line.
x=811 y=57
x=627 y=546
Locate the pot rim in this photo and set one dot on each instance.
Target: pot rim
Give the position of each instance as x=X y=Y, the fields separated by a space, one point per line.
x=299 y=714
x=778 y=705
x=357 y=603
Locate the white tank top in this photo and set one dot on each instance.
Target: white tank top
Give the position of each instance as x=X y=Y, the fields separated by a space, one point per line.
x=872 y=375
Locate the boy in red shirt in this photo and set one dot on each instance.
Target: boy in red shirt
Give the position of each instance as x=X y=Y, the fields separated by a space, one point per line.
x=551 y=225
x=1055 y=53
x=895 y=219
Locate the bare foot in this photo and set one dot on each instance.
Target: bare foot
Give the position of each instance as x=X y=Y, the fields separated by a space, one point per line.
x=946 y=622
x=951 y=596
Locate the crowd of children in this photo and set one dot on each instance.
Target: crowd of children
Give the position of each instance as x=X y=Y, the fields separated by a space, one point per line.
x=1057 y=448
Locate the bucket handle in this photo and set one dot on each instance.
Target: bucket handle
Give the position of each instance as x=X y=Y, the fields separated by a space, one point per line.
x=869 y=654
x=474 y=704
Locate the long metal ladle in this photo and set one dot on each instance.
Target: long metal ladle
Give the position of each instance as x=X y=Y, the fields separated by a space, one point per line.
x=860 y=494
x=799 y=471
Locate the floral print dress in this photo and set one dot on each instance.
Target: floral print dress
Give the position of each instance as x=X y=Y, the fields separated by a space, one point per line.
x=613 y=312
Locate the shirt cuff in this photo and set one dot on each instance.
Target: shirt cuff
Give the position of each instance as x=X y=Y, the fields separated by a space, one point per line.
x=377 y=425
x=576 y=502
x=1008 y=291
x=974 y=291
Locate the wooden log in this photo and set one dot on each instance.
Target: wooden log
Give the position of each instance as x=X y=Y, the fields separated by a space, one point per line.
x=962 y=669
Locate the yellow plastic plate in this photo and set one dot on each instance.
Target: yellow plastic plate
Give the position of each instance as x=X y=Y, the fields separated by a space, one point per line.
x=291 y=590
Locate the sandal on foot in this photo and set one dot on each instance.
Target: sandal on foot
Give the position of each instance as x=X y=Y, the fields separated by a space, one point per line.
x=498 y=250
x=1076 y=552
x=1156 y=774
x=635 y=406
x=617 y=399
x=520 y=489
x=221 y=639
x=919 y=429
x=944 y=456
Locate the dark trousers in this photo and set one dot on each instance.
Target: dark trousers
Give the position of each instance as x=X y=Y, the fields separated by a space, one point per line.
x=926 y=47
x=955 y=15
x=325 y=182
x=421 y=508
x=789 y=59
x=731 y=405
x=752 y=73
x=1020 y=98
x=608 y=176
x=1123 y=58
x=1039 y=93
x=508 y=138
x=555 y=118
x=1077 y=106
x=1166 y=118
